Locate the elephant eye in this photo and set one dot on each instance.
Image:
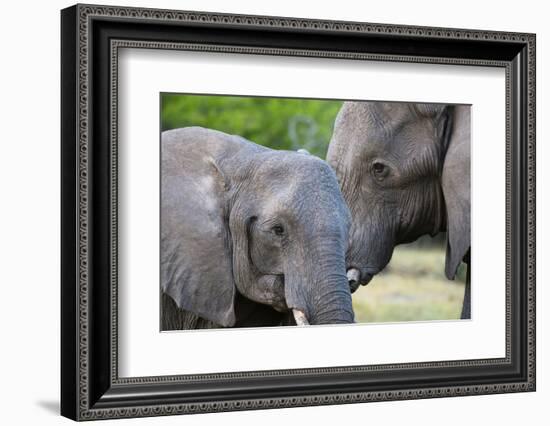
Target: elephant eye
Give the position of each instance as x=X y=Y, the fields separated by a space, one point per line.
x=380 y=170
x=278 y=230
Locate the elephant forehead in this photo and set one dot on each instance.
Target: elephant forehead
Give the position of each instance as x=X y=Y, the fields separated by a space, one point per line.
x=307 y=205
x=385 y=114
x=291 y=166
x=308 y=218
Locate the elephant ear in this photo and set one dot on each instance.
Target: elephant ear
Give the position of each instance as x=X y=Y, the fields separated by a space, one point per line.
x=196 y=268
x=455 y=182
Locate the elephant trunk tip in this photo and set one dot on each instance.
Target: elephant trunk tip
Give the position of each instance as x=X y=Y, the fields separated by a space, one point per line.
x=357 y=278
x=354 y=278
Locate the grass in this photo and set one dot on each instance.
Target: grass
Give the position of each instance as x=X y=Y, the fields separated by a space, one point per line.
x=413 y=287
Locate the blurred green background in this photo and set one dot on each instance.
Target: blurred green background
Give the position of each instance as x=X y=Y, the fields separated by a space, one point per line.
x=273 y=122
x=413 y=287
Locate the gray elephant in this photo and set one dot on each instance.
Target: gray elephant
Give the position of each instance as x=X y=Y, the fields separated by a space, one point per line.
x=404 y=170
x=249 y=235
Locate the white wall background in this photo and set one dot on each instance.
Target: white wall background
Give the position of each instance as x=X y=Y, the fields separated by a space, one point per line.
x=29 y=212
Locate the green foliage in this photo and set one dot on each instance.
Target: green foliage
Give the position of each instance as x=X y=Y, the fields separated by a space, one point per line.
x=273 y=122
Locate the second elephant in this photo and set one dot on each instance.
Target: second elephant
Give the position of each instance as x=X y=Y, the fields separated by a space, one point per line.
x=249 y=234
x=404 y=170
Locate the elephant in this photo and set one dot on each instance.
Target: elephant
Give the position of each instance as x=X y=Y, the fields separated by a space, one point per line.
x=250 y=236
x=404 y=171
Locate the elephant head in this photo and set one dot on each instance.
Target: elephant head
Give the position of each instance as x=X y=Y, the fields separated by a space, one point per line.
x=240 y=222
x=404 y=170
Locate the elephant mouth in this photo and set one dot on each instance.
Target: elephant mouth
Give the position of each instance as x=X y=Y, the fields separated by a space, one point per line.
x=281 y=305
x=278 y=302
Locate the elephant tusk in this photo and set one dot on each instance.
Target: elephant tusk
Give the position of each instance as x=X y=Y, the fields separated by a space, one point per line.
x=300 y=317
x=354 y=276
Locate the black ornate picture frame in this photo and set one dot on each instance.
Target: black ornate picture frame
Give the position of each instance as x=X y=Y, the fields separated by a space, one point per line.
x=90 y=385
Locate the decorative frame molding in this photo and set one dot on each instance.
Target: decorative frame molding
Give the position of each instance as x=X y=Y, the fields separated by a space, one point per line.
x=91 y=37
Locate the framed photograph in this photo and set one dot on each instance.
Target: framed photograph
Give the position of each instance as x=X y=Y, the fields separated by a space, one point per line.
x=263 y=212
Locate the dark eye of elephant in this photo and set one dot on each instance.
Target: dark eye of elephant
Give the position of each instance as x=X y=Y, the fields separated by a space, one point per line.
x=278 y=230
x=380 y=170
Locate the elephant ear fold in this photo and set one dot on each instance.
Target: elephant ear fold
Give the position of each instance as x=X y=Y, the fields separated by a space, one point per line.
x=196 y=268
x=455 y=182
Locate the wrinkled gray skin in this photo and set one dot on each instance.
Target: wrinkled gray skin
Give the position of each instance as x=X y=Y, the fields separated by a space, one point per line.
x=404 y=170
x=249 y=233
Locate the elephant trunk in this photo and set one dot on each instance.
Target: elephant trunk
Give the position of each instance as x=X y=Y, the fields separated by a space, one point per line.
x=334 y=306
x=319 y=293
x=370 y=247
x=354 y=278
